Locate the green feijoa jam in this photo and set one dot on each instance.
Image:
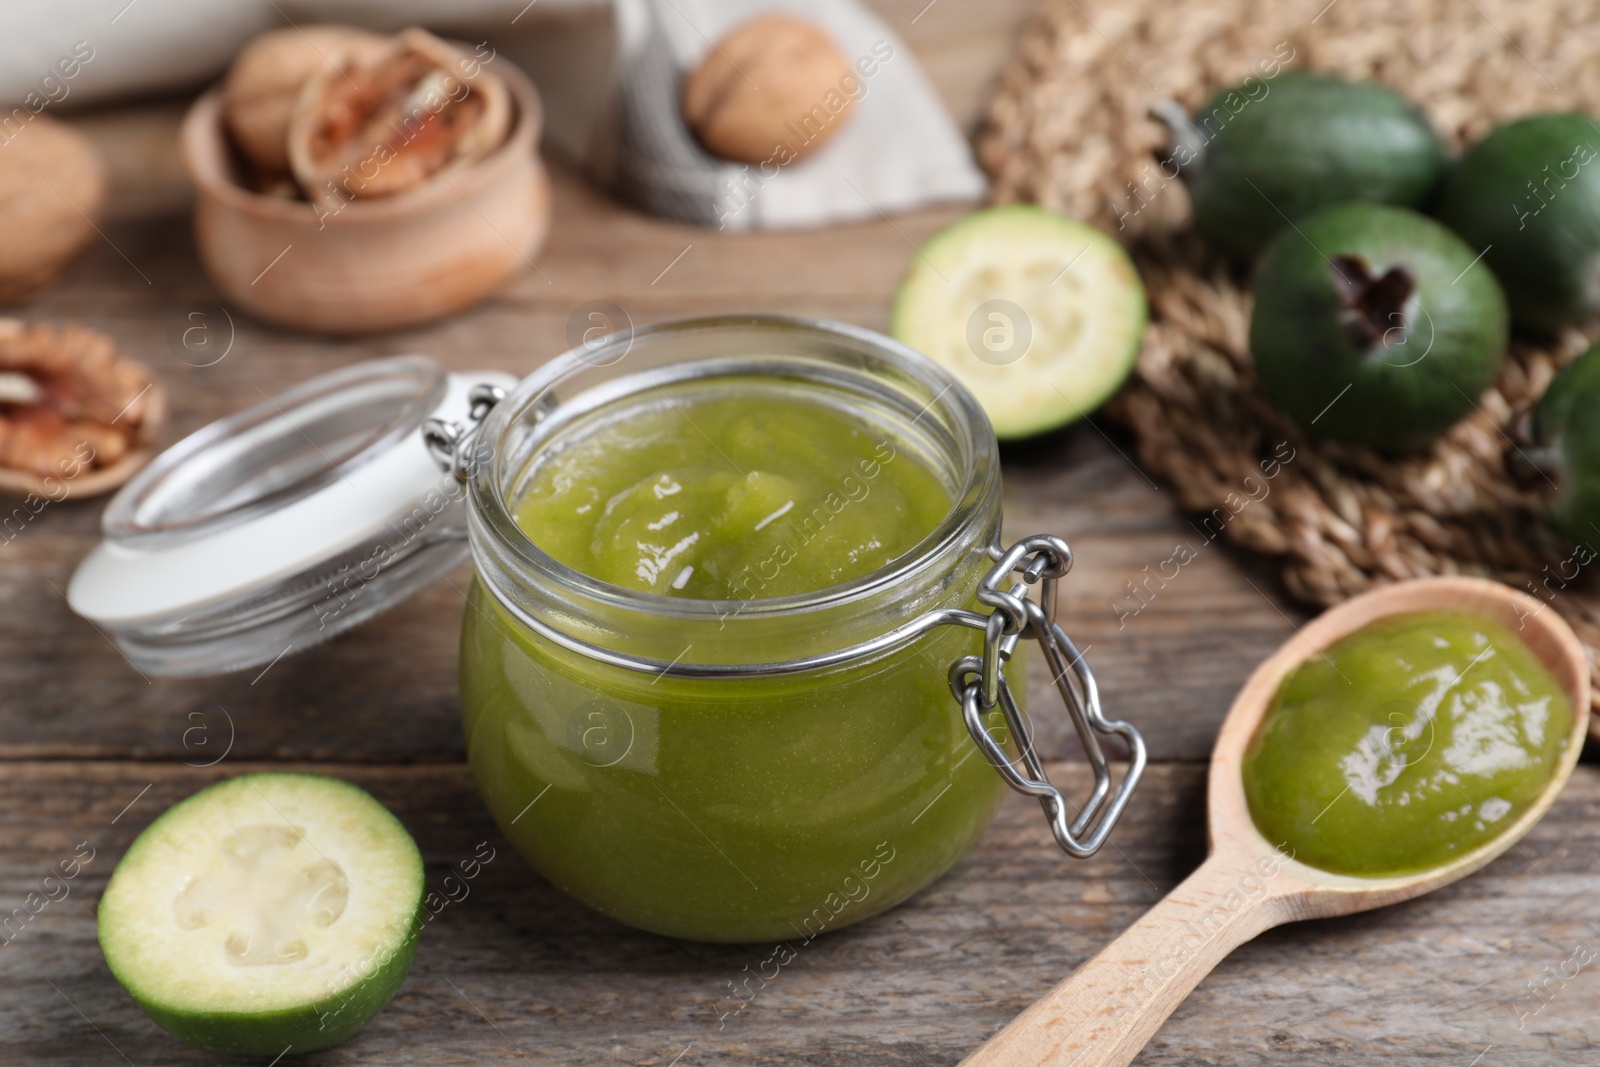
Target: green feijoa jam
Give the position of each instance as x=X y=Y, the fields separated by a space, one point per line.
x=1528 y=197
x=1373 y=325
x=1566 y=449
x=740 y=492
x=1409 y=744
x=753 y=807
x=1262 y=154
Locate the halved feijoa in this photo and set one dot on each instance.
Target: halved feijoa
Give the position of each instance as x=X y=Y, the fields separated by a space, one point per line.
x=1374 y=325
x=268 y=913
x=1039 y=315
x=1528 y=197
x=1269 y=151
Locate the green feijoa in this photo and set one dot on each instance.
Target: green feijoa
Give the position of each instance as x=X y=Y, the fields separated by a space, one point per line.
x=1528 y=196
x=1268 y=152
x=1566 y=435
x=1373 y=325
x=266 y=914
x=1040 y=315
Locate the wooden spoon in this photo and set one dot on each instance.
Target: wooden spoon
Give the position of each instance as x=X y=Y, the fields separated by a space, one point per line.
x=1110 y=1007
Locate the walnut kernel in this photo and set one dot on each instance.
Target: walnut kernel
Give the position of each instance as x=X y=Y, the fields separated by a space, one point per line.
x=70 y=403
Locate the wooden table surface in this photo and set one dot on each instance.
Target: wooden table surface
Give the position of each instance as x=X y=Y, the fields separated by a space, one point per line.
x=1495 y=970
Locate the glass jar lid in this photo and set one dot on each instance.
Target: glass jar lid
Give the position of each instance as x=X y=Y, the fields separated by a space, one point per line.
x=280 y=526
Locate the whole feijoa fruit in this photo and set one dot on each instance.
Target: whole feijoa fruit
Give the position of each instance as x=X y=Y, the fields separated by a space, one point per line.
x=1268 y=152
x=1566 y=447
x=1528 y=197
x=1373 y=325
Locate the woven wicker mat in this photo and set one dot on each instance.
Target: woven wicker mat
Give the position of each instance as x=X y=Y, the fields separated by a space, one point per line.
x=1070 y=129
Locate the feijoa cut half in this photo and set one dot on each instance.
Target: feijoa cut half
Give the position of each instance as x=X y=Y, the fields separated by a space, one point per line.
x=1267 y=152
x=1528 y=197
x=1039 y=315
x=1374 y=325
x=266 y=914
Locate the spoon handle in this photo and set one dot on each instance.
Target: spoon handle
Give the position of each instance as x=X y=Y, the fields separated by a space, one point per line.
x=1106 y=1011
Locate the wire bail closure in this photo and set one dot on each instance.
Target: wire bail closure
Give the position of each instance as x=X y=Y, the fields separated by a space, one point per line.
x=450 y=443
x=979 y=683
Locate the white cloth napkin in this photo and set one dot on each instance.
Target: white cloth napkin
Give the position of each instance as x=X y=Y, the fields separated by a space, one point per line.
x=608 y=73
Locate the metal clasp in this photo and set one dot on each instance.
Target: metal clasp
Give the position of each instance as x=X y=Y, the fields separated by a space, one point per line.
x=451 y=443
x=979 y=683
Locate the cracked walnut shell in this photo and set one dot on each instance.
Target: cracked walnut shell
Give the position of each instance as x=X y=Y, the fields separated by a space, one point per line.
x=73 y=410
x=266 y=79
x=382 y=127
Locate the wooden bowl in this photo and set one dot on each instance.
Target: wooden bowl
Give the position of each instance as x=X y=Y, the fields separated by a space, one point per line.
x=375 y=264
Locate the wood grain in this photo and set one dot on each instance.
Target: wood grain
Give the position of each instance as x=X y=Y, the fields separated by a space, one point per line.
x=517 y=966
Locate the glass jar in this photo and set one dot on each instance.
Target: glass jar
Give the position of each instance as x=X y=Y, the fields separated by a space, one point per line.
x=718 y=805
x=721 y=770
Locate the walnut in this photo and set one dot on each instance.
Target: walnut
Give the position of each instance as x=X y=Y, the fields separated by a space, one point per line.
x=52 y=187
x=267 y=77
x=382 y=127
x=775 y=88
x=72 y=407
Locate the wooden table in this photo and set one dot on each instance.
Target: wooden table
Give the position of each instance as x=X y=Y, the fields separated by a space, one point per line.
x=93 y=751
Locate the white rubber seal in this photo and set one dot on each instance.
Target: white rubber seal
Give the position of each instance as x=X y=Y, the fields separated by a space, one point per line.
x=117 y=584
